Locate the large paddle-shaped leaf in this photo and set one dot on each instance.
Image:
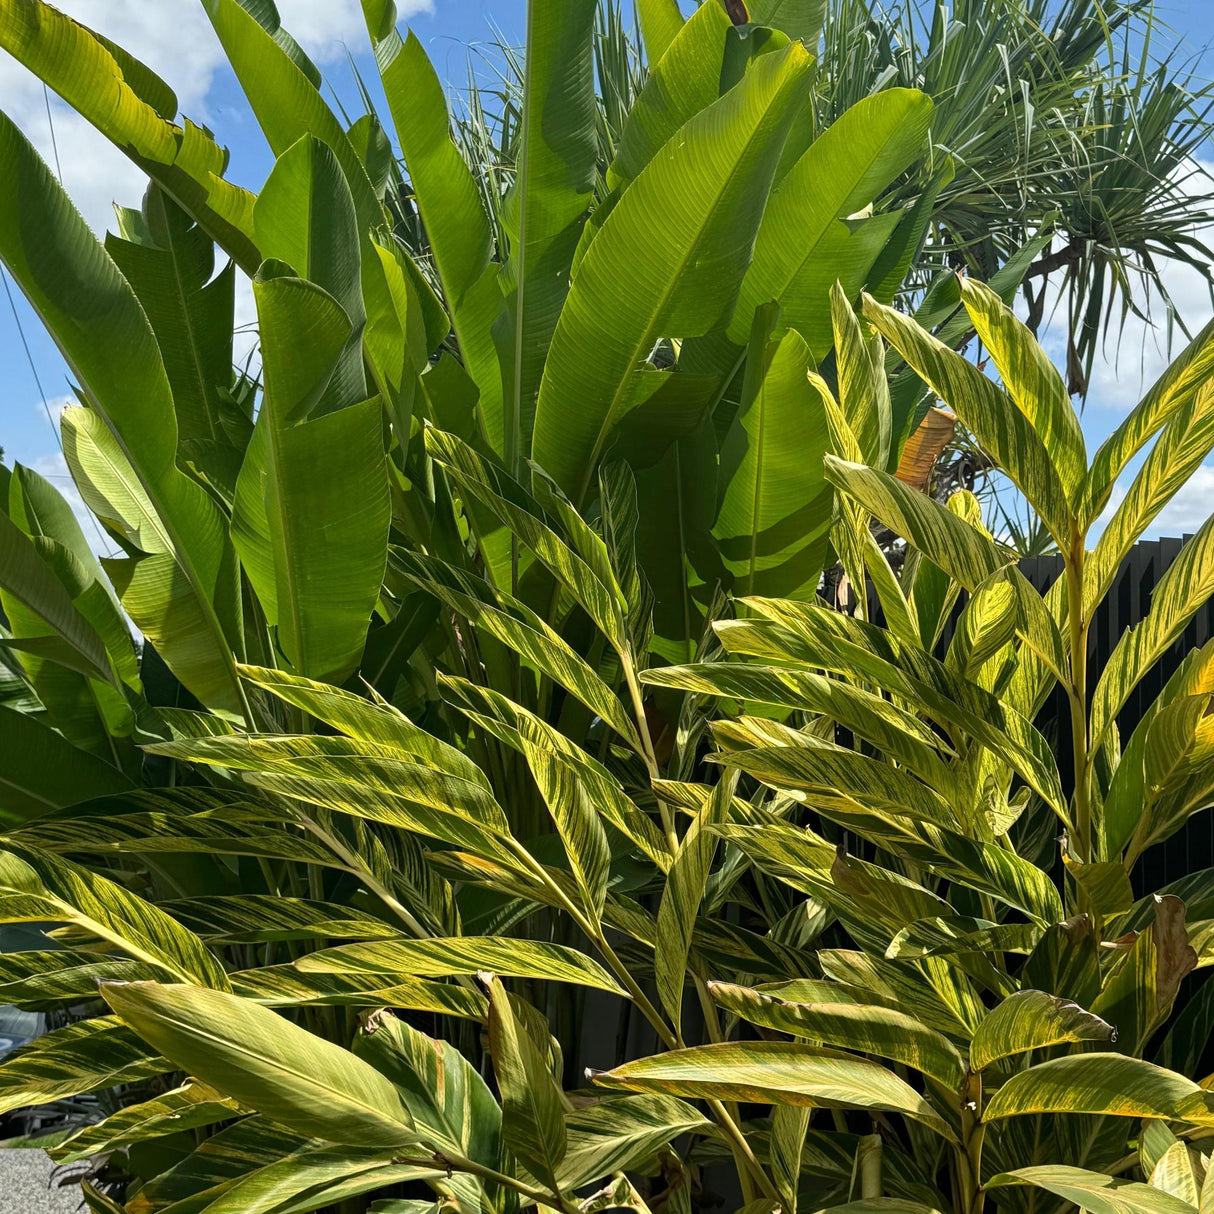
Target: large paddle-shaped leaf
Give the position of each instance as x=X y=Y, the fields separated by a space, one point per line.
x=284 y=97
x=776 y=510
x=133 y=108
x=803 y=245
x=666 y=263
x=305 y=217
x=40 y=770
x=660 y=23
x=551 y=196
x=312 y=512
x=170 y=262
x=461 y=240
x=106 y=339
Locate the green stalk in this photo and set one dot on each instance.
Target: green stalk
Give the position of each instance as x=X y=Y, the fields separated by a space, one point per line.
x=971 y=1197
x=666 y=1035
x=1077 y=694
x=869 y=1157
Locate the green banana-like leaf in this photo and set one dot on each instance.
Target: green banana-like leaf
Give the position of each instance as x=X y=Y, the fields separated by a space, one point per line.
x=686 y=884
x=771 y=1072
x=666 y=263
x=191 y=1106
x=1178 y=595
x=40 y=770
x=312 y=508
x=683 y=79
x=169 y=261
x=449 y=201
x=660 y=23
x=29 y=584
x=86 y=1056
x=285 y=100
x=1001 y=429
x=305 y=218
x=265 y=1063
x=775 y=511
x=803 y=246
x=533 y=1106
x=133 y=108
x=436 y=958
x=109 y=345
x=1030 y=1020
x=1095 y=1191
x=1110 y=1084
x=552 y=194
x=850 y=1026
x=677 y=502
x=39 y=887
x=1031 y=381
x=797 y=18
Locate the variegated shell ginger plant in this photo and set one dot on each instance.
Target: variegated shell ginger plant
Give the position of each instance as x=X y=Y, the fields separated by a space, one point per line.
x=964 y=1009
x=388 y=740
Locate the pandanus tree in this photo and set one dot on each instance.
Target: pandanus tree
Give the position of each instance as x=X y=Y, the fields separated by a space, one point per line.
x=391 y=786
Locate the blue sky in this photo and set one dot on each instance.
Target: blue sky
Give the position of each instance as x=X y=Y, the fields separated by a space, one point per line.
x=174 y=37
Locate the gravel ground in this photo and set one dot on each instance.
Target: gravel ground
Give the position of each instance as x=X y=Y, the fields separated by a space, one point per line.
x=24 y=1181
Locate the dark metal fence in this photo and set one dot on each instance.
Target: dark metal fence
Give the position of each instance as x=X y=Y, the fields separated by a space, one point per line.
x=1192 y=847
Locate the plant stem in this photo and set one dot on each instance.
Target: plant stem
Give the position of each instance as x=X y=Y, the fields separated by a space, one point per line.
x=666 y=1035
x=972 y=1198
x=651 y=762
x=458 y=1163
x=1077 y=694
x=870 y=1159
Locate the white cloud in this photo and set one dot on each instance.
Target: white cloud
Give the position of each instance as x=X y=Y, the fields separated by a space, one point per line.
x=175 y=39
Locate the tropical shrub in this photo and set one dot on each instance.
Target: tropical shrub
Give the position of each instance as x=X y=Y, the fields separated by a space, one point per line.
x=394 y=733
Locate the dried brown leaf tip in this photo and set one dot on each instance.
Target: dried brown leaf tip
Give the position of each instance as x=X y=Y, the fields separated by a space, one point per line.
x=737 y=11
